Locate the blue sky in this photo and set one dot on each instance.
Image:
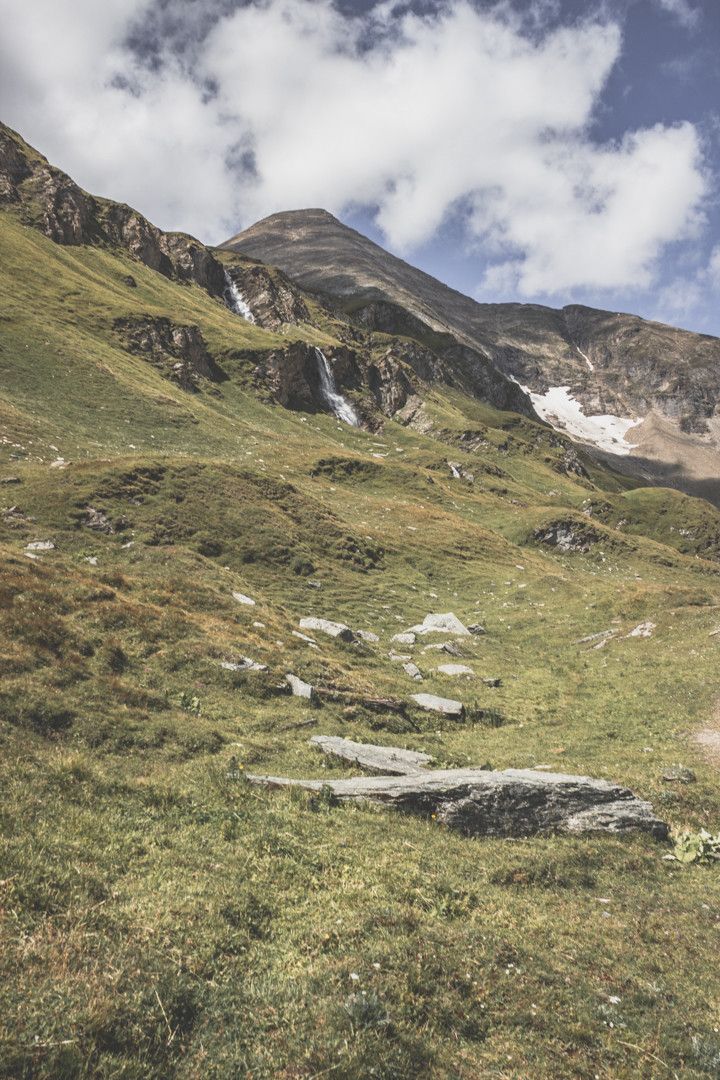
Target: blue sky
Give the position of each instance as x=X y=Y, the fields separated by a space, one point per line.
x=546 y=151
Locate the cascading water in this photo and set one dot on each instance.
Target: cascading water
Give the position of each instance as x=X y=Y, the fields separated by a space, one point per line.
x=335 y=401
x=235 y=300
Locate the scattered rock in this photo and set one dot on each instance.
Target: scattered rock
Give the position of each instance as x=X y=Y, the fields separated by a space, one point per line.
x=92 y=559
x=325 y=626
x=448 y=647
x=303 y=637
x=441 y=624
x=516 y=802
x=404 y=639
x=493 y=683
x=439 y=704
x=645 y=629
x=10 y=480
x=367 y=635
x=455 y=669
x=390 y=760
x=243 y=599
x=246 y=664
x=400 y=657
x=40 y=545
x=476 y=628
x=97 y=520
x=567 y=536
x=300 y=688
x=413 y=671
x=679 y=774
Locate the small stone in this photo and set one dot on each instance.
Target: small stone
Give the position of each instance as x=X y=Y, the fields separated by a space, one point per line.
x=367 y=635
x=325 y=626
x=438 y=704
x=645 y=629
x=300 y=688
x=404 y=639
x=476 y=628
x=494 y=683
x=455 y=669
x=40 y=545
x=10 y=480
x=243 y=599
x=441 y=624
x=413 y=671
x=246 y=664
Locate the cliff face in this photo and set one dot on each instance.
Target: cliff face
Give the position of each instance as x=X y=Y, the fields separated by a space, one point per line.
x=660 y=383
x=49 y=200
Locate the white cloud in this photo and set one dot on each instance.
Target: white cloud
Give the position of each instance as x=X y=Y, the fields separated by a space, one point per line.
x=687 y=13
x=413 y=115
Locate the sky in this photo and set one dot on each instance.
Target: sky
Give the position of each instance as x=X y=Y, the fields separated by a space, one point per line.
x=545 y=151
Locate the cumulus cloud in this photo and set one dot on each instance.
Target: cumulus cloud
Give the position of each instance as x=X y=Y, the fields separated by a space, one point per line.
x=278 y=104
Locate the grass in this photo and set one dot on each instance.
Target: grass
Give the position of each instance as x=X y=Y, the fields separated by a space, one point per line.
x=162 y=919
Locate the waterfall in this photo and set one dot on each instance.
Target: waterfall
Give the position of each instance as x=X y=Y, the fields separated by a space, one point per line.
x=235 y=299
x=335 y=401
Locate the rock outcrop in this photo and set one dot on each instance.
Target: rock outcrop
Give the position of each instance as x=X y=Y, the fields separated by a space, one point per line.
x=515 y=802
x=180 y=352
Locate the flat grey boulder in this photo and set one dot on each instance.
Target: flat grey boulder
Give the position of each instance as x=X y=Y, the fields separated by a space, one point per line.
x=390 y=760
x=441 y=624
x=367 y=635
x=448 y=647
x=431 y=703
x=326 y=626
x=515 y=802
x=300 y=688
x=455 y=669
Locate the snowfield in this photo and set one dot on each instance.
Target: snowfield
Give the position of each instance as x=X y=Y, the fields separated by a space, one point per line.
x=564 y=412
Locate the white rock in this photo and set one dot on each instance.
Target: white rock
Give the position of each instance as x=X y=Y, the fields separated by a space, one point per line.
x=645 y=629
x=455 y=669
x=441 y=624
x=40 y=545
x=303 y=637
x=439 y=704
x=404 y=639
x=243 y=599
x=367 y=635
x=300 y=688
x=325 y=626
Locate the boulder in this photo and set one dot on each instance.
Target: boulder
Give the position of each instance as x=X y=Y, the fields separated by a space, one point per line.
x=390 y=760
x=413 y=671
x=300 y=688
x=441 y=624
x=455 y=669
x=243 y=599
x=367 y=635
x=515 y=802
x=448 y=647
x=40 y=545
x=325 y=626
x=404 y=639
x=439 y=704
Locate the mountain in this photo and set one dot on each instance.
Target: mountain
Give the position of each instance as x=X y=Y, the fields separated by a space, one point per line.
x=198 y=454
x=643 y=395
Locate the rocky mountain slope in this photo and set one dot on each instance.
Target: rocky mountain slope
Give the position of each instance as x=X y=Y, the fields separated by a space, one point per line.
x=216 y=545
x=644 y=395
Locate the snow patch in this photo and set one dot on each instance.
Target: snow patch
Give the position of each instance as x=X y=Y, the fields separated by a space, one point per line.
x=586 y=358
x=564 y=412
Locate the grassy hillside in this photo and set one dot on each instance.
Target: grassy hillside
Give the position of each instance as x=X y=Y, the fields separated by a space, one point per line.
x=162 y=919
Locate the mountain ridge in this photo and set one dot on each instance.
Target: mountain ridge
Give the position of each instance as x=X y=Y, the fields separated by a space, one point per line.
x=664 y=380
